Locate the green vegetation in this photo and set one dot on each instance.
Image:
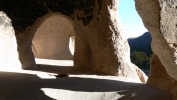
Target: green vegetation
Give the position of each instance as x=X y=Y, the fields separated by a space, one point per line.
x=140 y=59
x=140 y=50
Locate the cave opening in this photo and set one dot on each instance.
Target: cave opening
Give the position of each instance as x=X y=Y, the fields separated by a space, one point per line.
x=138 y=37
x=53 y=41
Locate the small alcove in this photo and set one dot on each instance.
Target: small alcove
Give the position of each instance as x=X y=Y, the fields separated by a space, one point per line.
x=53 y=41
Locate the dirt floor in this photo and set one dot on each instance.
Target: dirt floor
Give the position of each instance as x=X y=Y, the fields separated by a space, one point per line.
x=50 y=83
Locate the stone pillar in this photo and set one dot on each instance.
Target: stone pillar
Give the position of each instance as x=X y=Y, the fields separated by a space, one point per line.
x=26 y=57
x=100 y=45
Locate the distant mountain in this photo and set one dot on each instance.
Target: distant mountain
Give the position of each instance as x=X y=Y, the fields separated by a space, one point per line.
x=141 y=43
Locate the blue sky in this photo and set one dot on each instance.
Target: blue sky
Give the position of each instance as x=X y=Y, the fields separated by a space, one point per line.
x=132 y=23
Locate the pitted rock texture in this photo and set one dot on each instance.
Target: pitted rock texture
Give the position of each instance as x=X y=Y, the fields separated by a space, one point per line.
x=102 y=48
x=164 y=67
x=168 y=23
x=168 y=28
x=155 y=21
x=51 y=39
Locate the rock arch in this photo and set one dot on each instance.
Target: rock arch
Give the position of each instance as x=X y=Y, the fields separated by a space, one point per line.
x=51 y=40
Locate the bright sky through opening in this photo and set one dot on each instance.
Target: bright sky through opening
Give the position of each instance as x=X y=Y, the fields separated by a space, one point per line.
x=131 y=21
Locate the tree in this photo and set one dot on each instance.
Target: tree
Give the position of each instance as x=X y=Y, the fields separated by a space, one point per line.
x=141 y=59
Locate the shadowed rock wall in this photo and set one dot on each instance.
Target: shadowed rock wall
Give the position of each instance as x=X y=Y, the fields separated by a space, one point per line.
x=159 y=78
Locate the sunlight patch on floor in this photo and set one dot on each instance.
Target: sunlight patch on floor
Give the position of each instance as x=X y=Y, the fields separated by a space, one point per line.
x=54 y=62
x=43 y=75
x=46 y=76
x=60 y=94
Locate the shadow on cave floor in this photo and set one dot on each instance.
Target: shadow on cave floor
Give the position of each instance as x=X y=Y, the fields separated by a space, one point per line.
x=65 y=70
x=60 y=67
x=23 y=86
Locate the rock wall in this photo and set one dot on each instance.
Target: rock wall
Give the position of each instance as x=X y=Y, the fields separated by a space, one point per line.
x=161 y=79
x=168 y=24
x=159 y=18
x=155 y=20
x=102 y=48
x=24 y=42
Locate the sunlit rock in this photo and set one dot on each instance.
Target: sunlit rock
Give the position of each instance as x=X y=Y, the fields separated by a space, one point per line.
x=8 y=45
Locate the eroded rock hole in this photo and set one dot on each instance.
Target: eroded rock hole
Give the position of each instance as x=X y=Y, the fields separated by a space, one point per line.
x=54 y=40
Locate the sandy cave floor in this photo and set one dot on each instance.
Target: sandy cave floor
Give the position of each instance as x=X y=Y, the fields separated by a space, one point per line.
x=43 y=84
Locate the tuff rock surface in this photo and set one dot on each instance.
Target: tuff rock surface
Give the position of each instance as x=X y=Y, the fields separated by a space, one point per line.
x=102 y=48
x=162 y=44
